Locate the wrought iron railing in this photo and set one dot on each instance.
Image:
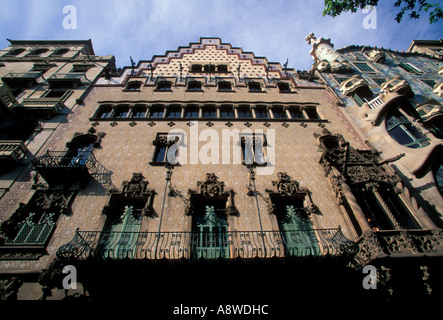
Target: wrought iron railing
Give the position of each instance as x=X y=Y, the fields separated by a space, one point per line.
x=209 y=245
x=59 y=159
x=14 y=149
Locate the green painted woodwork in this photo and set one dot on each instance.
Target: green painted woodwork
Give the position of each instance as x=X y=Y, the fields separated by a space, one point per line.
x=32 y=233
x=298 y=234
x=211 y=232
x=120 y=239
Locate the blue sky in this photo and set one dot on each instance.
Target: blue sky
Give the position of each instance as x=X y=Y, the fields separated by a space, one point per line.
x=275 y=29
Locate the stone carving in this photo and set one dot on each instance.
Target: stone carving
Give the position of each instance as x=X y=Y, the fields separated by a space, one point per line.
x=377 y=56
x=135 y=189
x=286 y=186
x=397 y=85
x=9 y=288
x=211 y=186
x=356 y=166
x=354 y=84
x=326 y=58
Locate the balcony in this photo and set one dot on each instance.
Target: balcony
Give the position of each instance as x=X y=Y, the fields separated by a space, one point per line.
x=206 y=245
x=47 y=107
x=67 y=80
x=64 y=167
x=11 y=152
x=22 y=79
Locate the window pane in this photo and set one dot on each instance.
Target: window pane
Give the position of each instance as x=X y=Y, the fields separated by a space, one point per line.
x=244 y=113
x=191 y=112
x=160 y=154
x=227 y=112
x=209 y=112
x=279 y=113
x=400 y=135
x=104 y=112
x=261 y=113
x=156 y=113
x=296 y=113
x=312 y=113
x=139 y=112
x=174 y=112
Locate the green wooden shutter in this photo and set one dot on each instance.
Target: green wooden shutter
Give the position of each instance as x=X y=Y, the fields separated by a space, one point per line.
x=298 y=235
x=211 y=233
x=120 y=239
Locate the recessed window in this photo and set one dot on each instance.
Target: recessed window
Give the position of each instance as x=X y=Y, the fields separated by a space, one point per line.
x=363 y=66
x=222 y=68
x=244 y=112
x=224 y=86
x=430 y=83
x=164 y=85
x=191 y=112
x=252 y=149
x=14 y=52
x=121 y=112
x=254 y=86
x=312 y=113
x=209 y=68
x=133 y=86
x=227 y=112
x=174 y=112
x=139 y=112
x=166 y=149
x=194 y=85
x=60 y=52
x=196 y=68
x=408 y=67
x=261 y=112
x=156 y=112
x=379 y=81
x=279 y=113
x=209 y=112
x=104 y=112
x=296 y=113
x=284 y=87
x=37 y=52
x=81 y=67
x=402 y=131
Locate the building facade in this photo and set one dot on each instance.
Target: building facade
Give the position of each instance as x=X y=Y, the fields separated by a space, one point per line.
x=395 y=100
x=209 y=164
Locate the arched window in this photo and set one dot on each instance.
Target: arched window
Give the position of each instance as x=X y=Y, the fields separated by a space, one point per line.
x=402 y=131
x=37 y=52
x=14 y=52
x=60 y=52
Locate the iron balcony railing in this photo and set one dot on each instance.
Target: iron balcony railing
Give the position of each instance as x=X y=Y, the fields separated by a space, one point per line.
x=62 y=159
x=208 y=245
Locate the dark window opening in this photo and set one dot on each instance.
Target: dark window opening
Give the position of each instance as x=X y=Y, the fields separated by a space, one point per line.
x=254 y=86
x=209 y=68
x=104 y=112
x=194 y=85
x=133 y=86
x=227 y=112
x=284 y=87
x=138 y=112
x=296 y=113
x=156 y=112
x=209 y=112
x=244 y=112
x=222 y=68
x=191 y=112
x=312 y=113
x=261 y=113
x=279 y=113
x=121 y=112
x=196 y=68
x=164 y=85
x=60 y=52
x=174 y=112
x=14 y=52
x=37 y=52
x=224 y=86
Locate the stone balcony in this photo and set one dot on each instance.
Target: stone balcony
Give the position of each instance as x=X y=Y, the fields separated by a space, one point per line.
x=46 y=107
x=23 y=79
x=67 y=80
x=11 y=152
